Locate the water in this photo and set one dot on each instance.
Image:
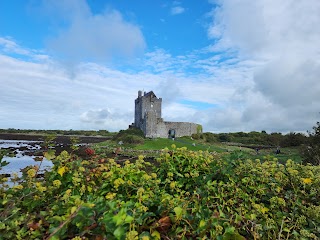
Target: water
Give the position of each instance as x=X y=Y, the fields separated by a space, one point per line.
x=19 y=143
x=20 y=160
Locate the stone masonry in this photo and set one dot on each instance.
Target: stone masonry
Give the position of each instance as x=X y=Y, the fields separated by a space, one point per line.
x=148 y=119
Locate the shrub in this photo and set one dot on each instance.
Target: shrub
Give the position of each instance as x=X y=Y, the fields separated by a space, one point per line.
x=224 y=137
x=130 y=136
x=189 y=195
x=311 y=151
x=132 y=139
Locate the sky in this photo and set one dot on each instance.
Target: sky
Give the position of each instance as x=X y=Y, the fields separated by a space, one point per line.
x=230 y=65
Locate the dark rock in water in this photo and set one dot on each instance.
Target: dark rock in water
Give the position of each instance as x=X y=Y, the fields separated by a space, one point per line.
x=38 y=153
x=23 y=148
x=38 y=159
x=5 y=175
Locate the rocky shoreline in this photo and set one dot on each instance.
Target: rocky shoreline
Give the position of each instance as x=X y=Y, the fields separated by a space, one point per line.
x=36 y=148
x=63 y=139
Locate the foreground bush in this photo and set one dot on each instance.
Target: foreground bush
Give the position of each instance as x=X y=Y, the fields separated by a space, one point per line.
x=190 y=195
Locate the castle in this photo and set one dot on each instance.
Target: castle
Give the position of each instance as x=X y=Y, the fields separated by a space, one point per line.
x=148 y=118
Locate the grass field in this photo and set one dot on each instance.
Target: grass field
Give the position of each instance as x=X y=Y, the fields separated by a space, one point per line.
x=196 y=145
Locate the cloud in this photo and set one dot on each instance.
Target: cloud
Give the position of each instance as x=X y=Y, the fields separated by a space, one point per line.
x=9 y=46
x=83 y=36
x=97 y=97
x=159 y=60
x=282 y=43
x=48 y=99
x=177 y=10
x=113 y=120
x=168 y=89
x=96 y=116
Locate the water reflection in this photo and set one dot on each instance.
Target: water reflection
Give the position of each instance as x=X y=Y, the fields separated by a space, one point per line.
x=20 y=160
x=4 y=144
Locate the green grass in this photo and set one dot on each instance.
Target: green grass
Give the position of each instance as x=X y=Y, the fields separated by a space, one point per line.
x=286 y=153
x=161 y=143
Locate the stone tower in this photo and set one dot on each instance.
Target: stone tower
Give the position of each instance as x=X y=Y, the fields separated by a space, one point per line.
x=147 y=112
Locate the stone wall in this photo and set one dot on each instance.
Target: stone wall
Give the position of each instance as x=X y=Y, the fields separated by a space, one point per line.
x=181 y=129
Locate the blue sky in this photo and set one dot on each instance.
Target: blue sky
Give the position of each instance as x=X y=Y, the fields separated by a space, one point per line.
x=229 y=65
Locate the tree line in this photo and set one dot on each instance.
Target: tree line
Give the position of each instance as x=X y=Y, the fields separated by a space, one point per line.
x=291 y=139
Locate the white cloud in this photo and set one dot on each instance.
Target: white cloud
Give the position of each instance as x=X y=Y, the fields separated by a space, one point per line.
x=177 y=10
x=159 y=60
x=48 y=99
x=96 y=97
x=9 y=46
x=282 y=43
x=84 y=36
x=113 y=120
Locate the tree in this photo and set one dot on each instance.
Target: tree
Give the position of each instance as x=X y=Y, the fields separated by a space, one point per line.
x=293 y=140
x=311 y=151
x=224 y=137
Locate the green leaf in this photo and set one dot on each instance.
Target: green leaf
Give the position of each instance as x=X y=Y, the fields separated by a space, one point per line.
x=156 y=235
x=178 y=211
x=221 y=214
x=238 y=219
x=202 y=224
x=54 y=238
x=232 y=236
x=128 y=219
x=253 y=216
x=50 y=154
x=179 y=174
x=57 y=218
x=119 y=232
x=230 y=230
x=144 y=235
x=2 y=226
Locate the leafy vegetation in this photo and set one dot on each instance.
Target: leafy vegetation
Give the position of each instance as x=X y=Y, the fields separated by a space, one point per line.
x=189 y=195
x=130 y=136
x=215 y=189
x=257 y=138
